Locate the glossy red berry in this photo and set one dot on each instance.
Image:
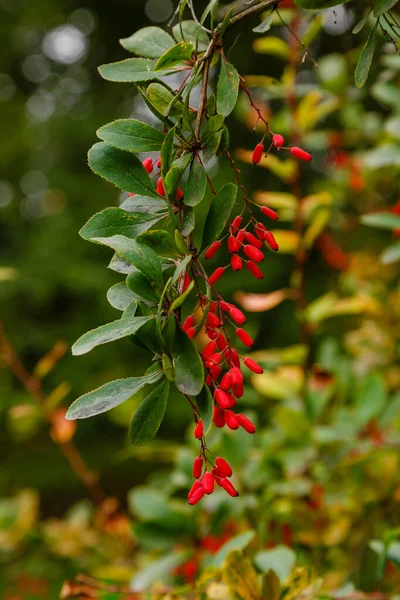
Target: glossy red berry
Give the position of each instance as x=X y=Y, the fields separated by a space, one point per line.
x=191 y=332
x=228 y=487
x=236 y=262
x=215 y=246
x=197 y=467
x=208 y=483
x=300 y=153
x=197 y=496
x=231 y=419
x=241 y=234
x=189 y=322
x=254 y=269
x=196 y=486
x=222 y=398
x=251 y=239
x=212 y=320
x=257 y=154
x=209 y=349
x=236 y=376
x=216 y=474
x=199 y=430
x=218 y=417
x=148 y=165
x=160 y=187
x=221 y=342
x=244 y=337
x=218 y=273
x=253 y=366
x=260 y=230
x=237 y=316
x=224 y=467
x=271 y=214
x=253 y=253
x=179 y=194
x=236 y=223
x=271 y=241
x=226 y=382
x=238 y=391
x=159 y=163
x=246 y=424
x=278 y=140
x=232 y=357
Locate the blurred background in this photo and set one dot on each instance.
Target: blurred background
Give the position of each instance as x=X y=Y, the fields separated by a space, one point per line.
x=53 y=288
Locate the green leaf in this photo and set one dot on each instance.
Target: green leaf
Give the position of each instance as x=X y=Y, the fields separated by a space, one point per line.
x=219 y=213
x=318 y=4
x=160 y=97
x=192 y=32
x=120 y=296
x=180 y=269
x=280 y=559
x=160 y=241
x=119 y=265
x=167 y=151
x=144 y=204
x=361 y=24
x=205 y=404
x=189 y=371
x=149 y=415
x=365 y=60
x=391 y=254
x=239 y=542
x=108 y=396
x=209 y=10
x=172 y=180
x=227 y=88
x=181 y=299
x=131 y=135
x=141 y=287
x=265 y=25
x=381 y=220
x=196 y=184
x=150 y=42
x=107 y=333
x=176 y=55
x=381 y=6
x=121 y=168
x=188 y=220
x=131 y=70
x=115 y=221
x=147 y=336
x=139 y=255
x=371 y=399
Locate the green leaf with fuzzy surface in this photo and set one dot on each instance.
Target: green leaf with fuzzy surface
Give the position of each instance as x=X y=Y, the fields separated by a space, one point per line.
x=189 y=371
x=108 y=396
x=121 y=168
x=120 y=296
x=150 y=42
x=227 y=88
x=160 y=241
x=160 y=97
x=196 y=184
x=131 y=135
x=131 y=70
x=115 y=221
x=219 y=213
x=107 y=333
x=149 y=415
x=141 y=287
x=176 y=55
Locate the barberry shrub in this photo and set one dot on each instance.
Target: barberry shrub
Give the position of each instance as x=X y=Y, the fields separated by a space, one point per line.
x=170 y=295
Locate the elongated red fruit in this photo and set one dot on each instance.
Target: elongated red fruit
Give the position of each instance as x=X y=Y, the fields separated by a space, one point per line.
x=238 y=391
x=197 y=496
x=231 y=419
x=254 y=253
x=191 y=332
x=232 y=357
x=197 y=467
x=237 y=316
x=236 y=223
x=260 y=230
x=271 y=241
x=196 y=486
x=209 y=349
x=228 y=487
x=244 y=337
x=268 y=212
x=218 y=417
x=222 y=398
x=300 y=153
x=253 y=366
x=216 y=474
x=236 y=376
x=214 y=359
x=236 y=262
x=148 y=165
x=251 y=239
x=199 y=430
x=233 y=244
x=215 y=371
x=224 y=467
x=160 y=187
x=215 y=246
x=208 y=483
x=212 y=320
x=159 y=163
x=189 y=322
x=254 y=269
x=246 y=424
x=226 y=382
x=221 y=341
x=257 y=154
x=278 y=140
x=241 y=234
x=218 y=273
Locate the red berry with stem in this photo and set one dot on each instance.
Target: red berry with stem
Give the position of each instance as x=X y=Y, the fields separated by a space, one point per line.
x=208 y=483
x=253 y=366
x=236 y=223
x=148 y=165
x=246 y=424
x=197 y=496
x=236 y=376
x=226 y=382
x=231 y=419
x=160 y=187
x=257 y=154
x=233 y=244
x=224 y=467
x=251 y=239
x=196 y=486
x=222 y=399
x=254 y=269
x=268 y=212
x=218 y=417
x=191 y=332
x=197 y=467
x=244 y=337
x=228 y=487
x=199 y=430
x=236 y=262
x=278 y=140
x=271 y=241
x=218 y=273
x=237 y=316
x=253 y=253
x=300 y=153
x=189 y=322
x=260 y=230
x=215 y=246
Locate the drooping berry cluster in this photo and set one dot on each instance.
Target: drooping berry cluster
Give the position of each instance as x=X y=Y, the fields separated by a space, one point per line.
x=278 y=142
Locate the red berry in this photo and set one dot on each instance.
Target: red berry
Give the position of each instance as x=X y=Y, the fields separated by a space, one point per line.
x=246 y=424
x=257 y=154
x=197 y=496
x=237 y=316
x=196 y=486
x=231 y=419
x=222 y=399
x=130 y=195
x=254 y=269
x=208 y=483
x=232 y=357
x=233 y=244
x=215 y=371
x=197 y=467
x=148 y=164
x=215 y=246
x=236 y=223
x=268 y=212
x=209 y=349
x=278 y=140
x=186 y=281
x=218 y=273
x=236 y=376
x=191 y=332
x=215 y=359
x=211 y=333
x=254 y=253
x=228 y=487
x=253 y=366
x=236 y=262
x=179 y=194
x=199 y=430
x=212 y=320
x=189 y=322
x=244 y=337
x=218 y=417
x=216 y=474
x=238 y=391
x=159 y=163
x=160 y=187
x=226 y=382
x=271 y=241
x=241 y=234
x=223 y=466
x=221 y=342
x=260 y=230
x=300 y=153
x=253 y=240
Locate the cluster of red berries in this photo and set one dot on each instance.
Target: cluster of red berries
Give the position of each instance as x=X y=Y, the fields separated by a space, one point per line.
x=278 y=142
x=205 y=482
